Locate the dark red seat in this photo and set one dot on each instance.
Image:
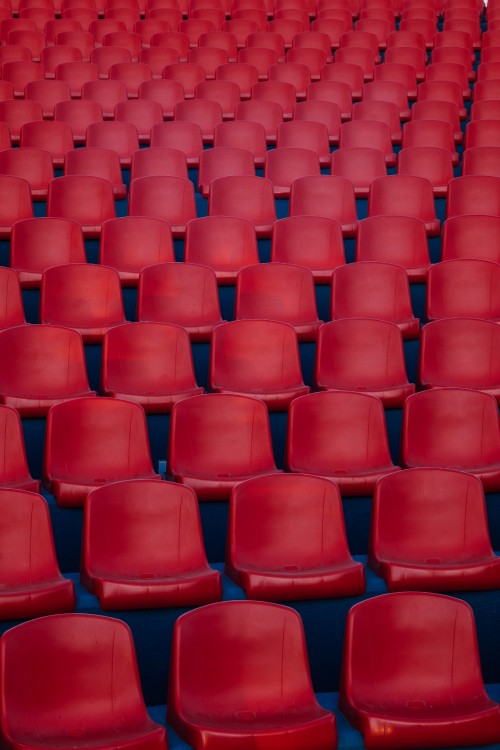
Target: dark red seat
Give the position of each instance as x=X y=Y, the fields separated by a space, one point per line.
x=14 y=472
x=130 y=243
x=401 y=240
x=295 y=235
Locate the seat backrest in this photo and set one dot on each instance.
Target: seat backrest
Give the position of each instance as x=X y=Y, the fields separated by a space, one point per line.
x=130 y=243
x=471 y=236
x=464 y=287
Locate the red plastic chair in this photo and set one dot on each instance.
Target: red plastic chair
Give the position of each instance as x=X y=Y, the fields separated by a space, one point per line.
x=361 y=57
x=278 y=291
x=361 y=39
x=52 y=136
x=398 y=72
x=14 y=472
x=244 y=75
x=471 y=236
x=157 y=58
x=421 y=698
x=408 y=509
x=48 y=93
x=346 y=72
x=188 y=74
x=268 y=40
x=203 y=112
x=184 y=294
x=15 y=202
x=363 y=355
x=38 y=243
x=166 y=93
x=146 y=27
x=464 y=288
x=75 y=74
x=295 y=73
x=132 y=75
x=332 y=27
x=368 y=133
x=267 y=113
x=19 y=73
x=70 y=671
x=79 y=114
x=482 y=133
x=12 y=311
x=335 y=92
x=32 y=165
x=260 y=57
x=130 y=243
x=306 y=134
x=241 y=135
x=82 y=296
x=287 y=28
x=453 y=427
x=401 y=38
x=360 y=166
x=248 y=680
x=412 y=195
x=374 y=290
x=439 y=110
x=56 y=25
x=184 y=136
x=158 y=161
x=271 y=563
x=456 y=55
x=381 y=111
x=105 y=57
x=443 y=91
x=437 y=133
x=325 y=195
x=341 y=436
x=126 y=40
x=425 y=26
x=142 y=113
x=194 y=28
x=210 y=58
x=82 y=40
x=168 y=516
x=314 y=59
x=119 y=136
x=168 y=198
x=401 y=240
x=485 y=110
x=282 y=93
x=295 y=235
x=240 y=28
x=284 y=165
x=94 y=441
x=257 y=358
x=224 y=40
x=148 y=363
x=246 y=197
x=224 y=243
x=318 y=115
x=174 y=39
x=96 y=162
x=86 y=199
x=473 y=194
x=443 y=364
x=106 y=93
x=414 y=56
x=431 y=162
x=16 y=112
x=41 y=366
x=33 y=584
x=218 y=440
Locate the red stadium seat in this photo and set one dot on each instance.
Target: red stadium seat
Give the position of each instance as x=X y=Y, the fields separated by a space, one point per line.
x=412 y=195
x=130 y=243
x=41 y=242
x=14 y=472
x=284 y=165
x=261 y=58
x=278 y=291
x=443 y=91
x=360 y=165
x=85 y=199
x=167 y=515
x=105 y=57
x=273 y=564
x=368 y=133
x=336 y=92
x=48 y=93
x=473 y=194
x=188 y=74
x=401 y=240
x=167 y=93
x=325 y=195
x=224 y=243
x=159 y=160
x=96 y=162
x=168 y=198
x=15 y=202
x=69 y=671
x=242 y=135
x=244 y=75
x=218 y=440
x=16 y=112
x=382 y=111
x=33 y=585
x=421 y=698
x=246 y=197
x=32 y=165
x=400 y=73
x=267 y=113
x=341 y=436
x=374 y=290
x=203 y=112
x=210 y=58
x=414 y=56
x=257 y=358
x=19 y=73
x=471 y=236
x=148 y=363
x=157 y=58
x=53 y=136
x=259 y=641
x=295 y=235
x=79 y=114
x=76 y=74
x=439 y=110
x=453 y=427
x=181 y=293
x=464 y=288
x=184 y=136
x=82 y=40
x=106 y=93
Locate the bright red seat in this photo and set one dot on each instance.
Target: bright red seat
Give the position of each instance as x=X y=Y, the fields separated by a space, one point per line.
x=257 y=358
x=14 y=472
x=431 y=162
x=313 y=58
x=460 y=353
x=167 y=516
x=295 y=235
x=82 y=40
x=374 y=290
x=79 y=114
x=341 y=436
x=443 y=91
x=188 y=74
x=267 y=40
x=473 y=194
x=33 y=165
x=75 y=74
x=281 y=92
x=412 y=195
x=453 y=427
x=203 y=112
x=32 y=583
x=407 y=547
x=12 y=311
x=132 y=74
x=278 y=291
x=159 y=160
x=224 y=40
x=52 y=136
x=166 y=93
x=317 y=113
x=335 y=92
x=401 y=240
x=48 y=93
x=482 y=133
x=16 y=112
x=471 y=236
x=437 y=133
x=275 y=552
x=106 y=93
x=143 y=114
x=488 y=109
x=86 y=199
x=210 y=58
x=258 y=642
x=118 y=136
x=41 y=366
x=94 y=441
x=368 y=133
x=241 y=135
x=325 y=195
x=284 y=165
x=400 y=73
x=71 y=659
x=19 y=73
x=224 y=243
x=157 y=58
x=53 y=27
x=15 y=202
x=247 y=197
x=181 y=293
x=168 y=198
x=429 y=684
x=96 y=162
x=148 y=363
x=82 y=296
x=362 y=57
x=184 y=136
x=464 y=288
x=414 y=56
x=306 y=134
x=218 y=440
x=360 y=166
x=363 y=355
x=130 y=243
x=127 y=40
x=346 y=72
x=382 y=111
x=439 y=110
x=267 y=113
x=174 y=39
x=223 y=162
x=226 y=94
x=244 y=75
